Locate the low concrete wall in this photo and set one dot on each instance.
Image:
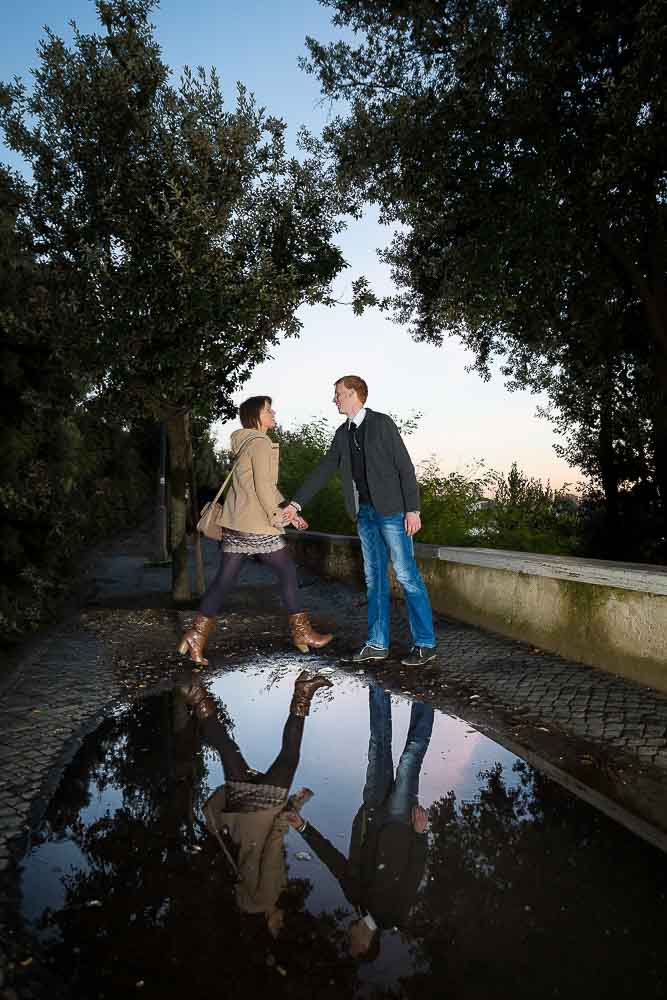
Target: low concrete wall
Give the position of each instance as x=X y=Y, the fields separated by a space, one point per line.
x=606 y=614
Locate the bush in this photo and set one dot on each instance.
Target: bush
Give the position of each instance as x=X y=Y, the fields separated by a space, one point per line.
x=475 y=507
x=78 y=479
x=452 y=506
x=300 y=451
x=529 y=516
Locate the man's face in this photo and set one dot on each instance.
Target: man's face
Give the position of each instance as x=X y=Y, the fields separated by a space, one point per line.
x=346 y=400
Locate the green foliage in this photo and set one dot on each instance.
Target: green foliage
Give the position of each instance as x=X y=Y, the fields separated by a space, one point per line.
x=300 y=451
x=194 y=237
x=188 y=236
x=452 y=505
x=76 y=480
x=637 y=522
x=530 y=516
x=518 y=150
x=477 y=507
x=68 y=476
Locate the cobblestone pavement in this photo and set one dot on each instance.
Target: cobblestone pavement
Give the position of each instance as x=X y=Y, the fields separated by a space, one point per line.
x=581 y=701
x=121 y=643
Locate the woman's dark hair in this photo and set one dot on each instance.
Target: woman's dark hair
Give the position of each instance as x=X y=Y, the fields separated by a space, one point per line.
x=250 y=410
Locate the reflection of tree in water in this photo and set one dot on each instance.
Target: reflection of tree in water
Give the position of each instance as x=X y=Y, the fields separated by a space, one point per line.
x=528 y=892
x=532 y=893
x=155 y=902
x=274 y=673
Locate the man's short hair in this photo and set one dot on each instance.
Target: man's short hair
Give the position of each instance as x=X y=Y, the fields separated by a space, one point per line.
x=356 y=383
x=250 y=410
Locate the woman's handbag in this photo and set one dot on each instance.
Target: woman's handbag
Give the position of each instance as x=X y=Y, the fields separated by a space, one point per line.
x=210 y=522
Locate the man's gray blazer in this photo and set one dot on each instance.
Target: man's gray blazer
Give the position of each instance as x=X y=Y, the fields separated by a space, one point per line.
x=392 y=482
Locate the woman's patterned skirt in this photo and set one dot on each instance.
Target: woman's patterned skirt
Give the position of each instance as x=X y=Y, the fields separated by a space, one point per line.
x=250 y=543
x=246 y=797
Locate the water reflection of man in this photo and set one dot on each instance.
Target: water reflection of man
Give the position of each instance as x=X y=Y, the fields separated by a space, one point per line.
x=388 y=844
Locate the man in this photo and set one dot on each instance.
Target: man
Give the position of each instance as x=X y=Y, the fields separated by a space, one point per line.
x=381 y=493
x=388 y=844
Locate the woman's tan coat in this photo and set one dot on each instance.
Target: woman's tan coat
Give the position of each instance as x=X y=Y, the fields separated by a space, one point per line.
x=252 y=500
x=260 y=836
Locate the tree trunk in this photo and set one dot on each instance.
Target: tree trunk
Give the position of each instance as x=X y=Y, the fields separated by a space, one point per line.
x=178 y=428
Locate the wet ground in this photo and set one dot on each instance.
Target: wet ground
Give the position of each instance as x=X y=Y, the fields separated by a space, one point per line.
x=514 y=889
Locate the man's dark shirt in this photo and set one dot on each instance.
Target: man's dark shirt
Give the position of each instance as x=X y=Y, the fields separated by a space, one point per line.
x=384 y=870
x=390 y=474
x=358 y=458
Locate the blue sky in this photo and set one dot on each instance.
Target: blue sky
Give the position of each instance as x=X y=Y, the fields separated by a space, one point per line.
x=259 y=43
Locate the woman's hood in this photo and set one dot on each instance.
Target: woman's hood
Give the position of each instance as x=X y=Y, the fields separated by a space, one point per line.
x=242 y=436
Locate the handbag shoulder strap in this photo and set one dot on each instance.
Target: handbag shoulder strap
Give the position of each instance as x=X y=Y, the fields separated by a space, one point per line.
x=229 y=474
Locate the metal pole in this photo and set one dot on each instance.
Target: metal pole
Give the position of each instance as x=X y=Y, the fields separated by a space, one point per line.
x=200 y=576
x=162 y=546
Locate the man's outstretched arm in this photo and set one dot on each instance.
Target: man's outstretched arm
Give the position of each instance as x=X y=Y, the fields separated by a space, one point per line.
x=320 y=475
x=329 y=855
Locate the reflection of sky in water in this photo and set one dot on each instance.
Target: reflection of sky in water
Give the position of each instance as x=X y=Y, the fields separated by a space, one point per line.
x=333 y=764
x=334 y=756
x=61 y=857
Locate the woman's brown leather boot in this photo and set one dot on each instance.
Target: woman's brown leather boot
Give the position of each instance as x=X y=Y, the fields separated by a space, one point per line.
x=194 y=640
x=304 y=635
x=196 y=695
x=304 y=689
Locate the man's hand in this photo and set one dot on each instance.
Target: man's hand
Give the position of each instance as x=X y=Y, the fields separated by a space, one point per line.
x=293 y=818
x=413 y=523
x=419 y=819
x=289 y=515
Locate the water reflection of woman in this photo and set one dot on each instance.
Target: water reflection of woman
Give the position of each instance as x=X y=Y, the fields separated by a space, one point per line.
x=248 y=811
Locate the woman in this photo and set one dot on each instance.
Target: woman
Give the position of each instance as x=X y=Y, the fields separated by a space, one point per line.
x=253 y=525
x=250 y=807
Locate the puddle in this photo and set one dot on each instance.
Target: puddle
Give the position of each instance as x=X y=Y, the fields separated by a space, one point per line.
x=516 y=889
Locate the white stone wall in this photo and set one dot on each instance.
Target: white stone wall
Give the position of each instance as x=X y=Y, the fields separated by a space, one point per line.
x=607 y=614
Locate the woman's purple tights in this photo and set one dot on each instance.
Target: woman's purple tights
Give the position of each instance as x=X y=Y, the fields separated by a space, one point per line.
x=280 y=562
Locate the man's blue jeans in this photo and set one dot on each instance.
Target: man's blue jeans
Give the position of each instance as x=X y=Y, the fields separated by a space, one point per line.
x=398 y=795
x=383 y=538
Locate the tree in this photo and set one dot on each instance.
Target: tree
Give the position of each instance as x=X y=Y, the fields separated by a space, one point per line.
x=601 y=413
x=528 y=515
x=68 y=475
x=490 y=919
x=520 y=150
x=191 y=236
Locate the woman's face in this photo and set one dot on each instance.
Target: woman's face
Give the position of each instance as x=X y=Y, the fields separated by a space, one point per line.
x=267 y=418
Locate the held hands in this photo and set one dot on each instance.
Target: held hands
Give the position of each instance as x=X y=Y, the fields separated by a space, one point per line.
x=292 y=818
x=413 y=523
x=419 y=819
x=290 y=515
x=287 y=515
